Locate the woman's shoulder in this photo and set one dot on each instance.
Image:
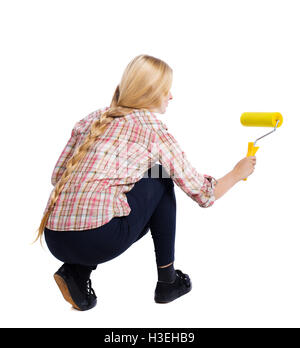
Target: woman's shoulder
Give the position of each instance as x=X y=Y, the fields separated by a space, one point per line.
x=84 y=124
x=142 y=117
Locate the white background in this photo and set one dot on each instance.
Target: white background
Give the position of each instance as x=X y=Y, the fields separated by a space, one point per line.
x=62 y=60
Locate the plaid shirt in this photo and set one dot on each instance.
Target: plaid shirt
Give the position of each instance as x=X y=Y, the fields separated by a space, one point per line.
x=95 y=191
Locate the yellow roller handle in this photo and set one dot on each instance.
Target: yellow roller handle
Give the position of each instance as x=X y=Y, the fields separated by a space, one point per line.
x=251 y=151
x=260 y=119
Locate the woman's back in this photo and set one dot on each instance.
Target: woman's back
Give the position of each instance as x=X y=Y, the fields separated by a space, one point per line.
x=94 y=192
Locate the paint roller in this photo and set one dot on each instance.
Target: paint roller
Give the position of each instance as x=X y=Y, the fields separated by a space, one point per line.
x=260 y=119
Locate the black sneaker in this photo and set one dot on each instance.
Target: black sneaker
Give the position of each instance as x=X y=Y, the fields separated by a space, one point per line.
x=167 y=292
x=77 y=292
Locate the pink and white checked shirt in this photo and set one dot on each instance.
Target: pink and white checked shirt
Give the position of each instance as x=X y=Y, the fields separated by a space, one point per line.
x=95 y=191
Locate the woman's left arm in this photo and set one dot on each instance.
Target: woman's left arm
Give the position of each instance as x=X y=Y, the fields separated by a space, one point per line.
x=63 y=159
x=79 y=131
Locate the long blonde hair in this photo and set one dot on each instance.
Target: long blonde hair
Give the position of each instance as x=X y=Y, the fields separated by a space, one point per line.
x=145 y=82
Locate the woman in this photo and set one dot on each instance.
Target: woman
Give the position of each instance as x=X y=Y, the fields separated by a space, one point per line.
x=114 y=181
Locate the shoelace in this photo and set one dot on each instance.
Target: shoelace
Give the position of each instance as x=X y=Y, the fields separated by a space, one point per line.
x=89 y=289
x=184 y=277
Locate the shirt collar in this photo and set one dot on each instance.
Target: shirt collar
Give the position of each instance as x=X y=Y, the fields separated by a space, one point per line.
x=146 y=116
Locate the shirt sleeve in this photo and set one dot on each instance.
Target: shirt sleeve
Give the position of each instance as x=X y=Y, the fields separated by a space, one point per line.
x=81 y=127
x=200 y=187
x=63 y=159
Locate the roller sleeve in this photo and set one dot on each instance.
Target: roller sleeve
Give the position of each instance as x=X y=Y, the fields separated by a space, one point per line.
x=261 y=119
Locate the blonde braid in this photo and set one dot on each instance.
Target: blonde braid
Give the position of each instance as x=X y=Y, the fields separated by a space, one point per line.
x=97 y=128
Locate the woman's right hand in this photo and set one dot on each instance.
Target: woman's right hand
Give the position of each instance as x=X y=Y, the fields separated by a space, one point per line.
x=245 y=167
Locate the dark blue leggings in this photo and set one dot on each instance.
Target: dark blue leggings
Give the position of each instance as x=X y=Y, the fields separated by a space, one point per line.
x=153 y=206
